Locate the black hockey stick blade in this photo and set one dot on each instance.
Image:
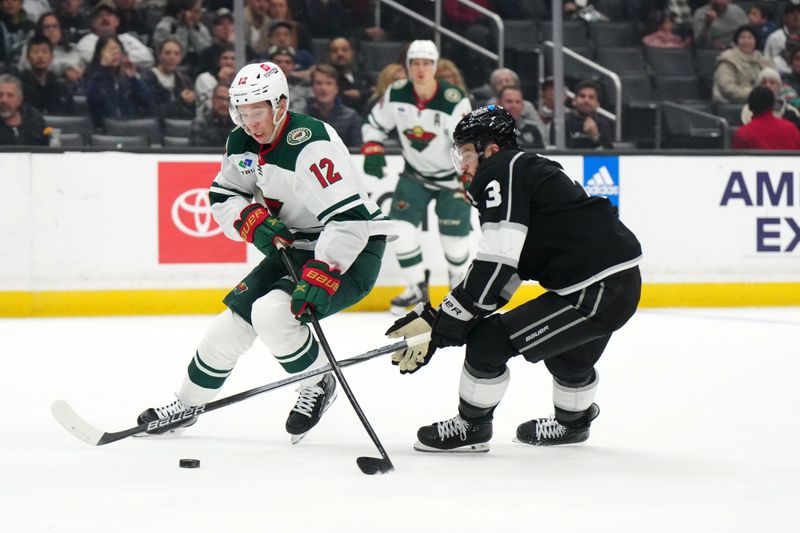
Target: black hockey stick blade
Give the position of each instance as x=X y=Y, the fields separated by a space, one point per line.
x=375 y=465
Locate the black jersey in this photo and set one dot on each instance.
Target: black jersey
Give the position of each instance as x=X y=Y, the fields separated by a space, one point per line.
x=538 y=224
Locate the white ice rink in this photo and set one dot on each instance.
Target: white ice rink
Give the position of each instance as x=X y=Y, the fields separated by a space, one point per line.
x=699 y=431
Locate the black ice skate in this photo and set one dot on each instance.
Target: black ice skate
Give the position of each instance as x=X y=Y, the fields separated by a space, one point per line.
x=551 y=432
x=413 y=295
x=454 y=436
x=313 y=401
x=161 y=420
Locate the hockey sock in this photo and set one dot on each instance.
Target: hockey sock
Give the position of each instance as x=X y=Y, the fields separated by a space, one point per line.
x=479 y=393
x=408 y=251
x=572 y=400
x=227 y=337
x=289 y=341
x=456 y=251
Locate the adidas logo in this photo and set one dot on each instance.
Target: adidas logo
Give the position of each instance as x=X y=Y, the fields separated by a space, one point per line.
x=602 y=184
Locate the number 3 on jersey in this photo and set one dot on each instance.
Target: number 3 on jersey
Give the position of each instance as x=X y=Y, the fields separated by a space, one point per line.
x=493 y=198
x=330 y=177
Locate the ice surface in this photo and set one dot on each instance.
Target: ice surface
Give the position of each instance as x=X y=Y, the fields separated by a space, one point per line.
x=698 y=431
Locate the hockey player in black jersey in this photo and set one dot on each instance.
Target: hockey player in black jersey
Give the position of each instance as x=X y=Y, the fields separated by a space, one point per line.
x=537 y=224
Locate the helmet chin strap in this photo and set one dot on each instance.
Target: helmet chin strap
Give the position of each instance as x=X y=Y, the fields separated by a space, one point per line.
x=277 y=122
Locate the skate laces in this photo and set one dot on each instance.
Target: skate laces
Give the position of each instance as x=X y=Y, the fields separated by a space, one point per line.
x=168 y=410
x=549 y=428
x=307 y=400
x=451 y=428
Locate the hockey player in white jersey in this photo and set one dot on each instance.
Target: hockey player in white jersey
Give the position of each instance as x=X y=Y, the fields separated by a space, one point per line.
x=424 y=112
x=286 y=180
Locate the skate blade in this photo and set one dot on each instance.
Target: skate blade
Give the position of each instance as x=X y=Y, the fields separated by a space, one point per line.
x=482 y=447
x=294 y=439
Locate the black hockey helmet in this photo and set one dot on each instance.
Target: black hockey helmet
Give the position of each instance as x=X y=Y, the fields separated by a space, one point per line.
x=489 y=124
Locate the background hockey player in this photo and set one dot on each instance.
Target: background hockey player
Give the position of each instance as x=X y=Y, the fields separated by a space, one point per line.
x=286 y=179
x=424 y=111
x=537 y=224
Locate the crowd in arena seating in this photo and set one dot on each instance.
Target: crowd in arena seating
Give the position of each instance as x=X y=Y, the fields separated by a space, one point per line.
x=168 y=63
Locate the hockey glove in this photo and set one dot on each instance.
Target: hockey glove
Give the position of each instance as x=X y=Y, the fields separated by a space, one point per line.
x=255 y=225
x=317 y=285
x=374 y=159
x=452 y=324
x=417 y=322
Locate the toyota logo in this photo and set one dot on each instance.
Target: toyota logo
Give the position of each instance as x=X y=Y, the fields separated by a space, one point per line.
x=195 y=203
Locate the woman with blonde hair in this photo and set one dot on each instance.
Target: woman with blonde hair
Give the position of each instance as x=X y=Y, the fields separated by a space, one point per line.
x=390 y=74
x=449 y=72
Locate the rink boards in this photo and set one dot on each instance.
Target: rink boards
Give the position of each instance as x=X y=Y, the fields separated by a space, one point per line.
x=120 y=233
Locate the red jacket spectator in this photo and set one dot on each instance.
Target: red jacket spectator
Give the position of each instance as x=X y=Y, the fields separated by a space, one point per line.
x=765 y=132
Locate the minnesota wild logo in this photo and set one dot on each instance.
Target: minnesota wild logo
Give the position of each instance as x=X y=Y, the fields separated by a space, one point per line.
x=418 y=137
x=298 y=135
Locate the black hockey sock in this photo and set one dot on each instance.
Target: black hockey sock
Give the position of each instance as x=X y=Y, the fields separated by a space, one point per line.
x=471 y=413
x=573 y=419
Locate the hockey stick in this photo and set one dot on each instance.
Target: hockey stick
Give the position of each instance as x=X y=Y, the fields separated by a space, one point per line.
x=83 y=430
x=368 y=465
x=429 y=183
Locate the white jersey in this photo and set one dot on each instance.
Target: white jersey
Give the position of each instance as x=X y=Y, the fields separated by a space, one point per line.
x=308 y=180
x=425 y=129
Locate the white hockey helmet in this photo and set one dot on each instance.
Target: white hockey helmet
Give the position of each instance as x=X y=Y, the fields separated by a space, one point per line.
x=422 y=49
x=258 y=82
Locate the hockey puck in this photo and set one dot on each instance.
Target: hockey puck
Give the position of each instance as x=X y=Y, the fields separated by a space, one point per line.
x=189 y=463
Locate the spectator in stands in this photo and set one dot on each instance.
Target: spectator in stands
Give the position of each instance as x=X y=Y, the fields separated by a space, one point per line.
x=131 y=19
x=326 y=105
x=182 y=21
x=448 y=71
x=221 y=74
x=67 y=62
x=664 y=37
x=42 y=88
x=299 y=88
x=761 y=16
x=282 y=35
x=499 y=78
x=770 y=78
x=74 y=22
x=765 y=131
x=791 y=80
x=15 y=28
x=214 y=125
x=355 y=84
x=223 y=34
x=585 y=127
x=388 y=75
x=777 y=40
x=280 y=10
x=256 y=26
x=105 y=23
x=114 y=87
x=547 y=102
x=529 y=135
x=680 y=12
x=738 y=68
x=715 y=23
x=20 y=124
x=173 y=95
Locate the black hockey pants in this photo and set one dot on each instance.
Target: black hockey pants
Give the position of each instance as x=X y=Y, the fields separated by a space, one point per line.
x=568 y=332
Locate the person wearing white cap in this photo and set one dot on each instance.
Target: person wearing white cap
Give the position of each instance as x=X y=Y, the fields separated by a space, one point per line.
x=769 y=77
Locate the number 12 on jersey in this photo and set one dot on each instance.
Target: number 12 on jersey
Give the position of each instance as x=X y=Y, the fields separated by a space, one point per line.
x=330 y=177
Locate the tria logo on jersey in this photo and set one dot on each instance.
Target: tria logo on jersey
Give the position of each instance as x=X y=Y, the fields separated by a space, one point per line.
x=601 y=177
x=187 y=232
x=419 y=138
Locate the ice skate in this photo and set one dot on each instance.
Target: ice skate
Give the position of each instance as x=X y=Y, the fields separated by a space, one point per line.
x=413 y=295
x=454 y=436
x=313 y=401
x=551 y=432
x=159 y=418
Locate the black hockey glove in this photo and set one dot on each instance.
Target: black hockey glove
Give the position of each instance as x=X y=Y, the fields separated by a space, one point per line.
x=417 y=322
x=452 y=323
